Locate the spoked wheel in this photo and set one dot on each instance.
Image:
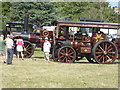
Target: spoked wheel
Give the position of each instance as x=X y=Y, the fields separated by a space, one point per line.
x=67 y=54
x=105 y=52
x=28 y=49
x=55 y=53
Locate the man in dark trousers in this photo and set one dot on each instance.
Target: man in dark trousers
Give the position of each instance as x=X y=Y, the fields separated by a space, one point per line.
x=10 y=45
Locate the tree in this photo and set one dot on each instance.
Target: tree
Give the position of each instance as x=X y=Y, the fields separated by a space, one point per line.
x=93 y=10
x=6 y=9
x=40 y=12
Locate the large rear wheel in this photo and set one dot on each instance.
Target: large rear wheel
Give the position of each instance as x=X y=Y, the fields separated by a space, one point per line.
x=105 y=52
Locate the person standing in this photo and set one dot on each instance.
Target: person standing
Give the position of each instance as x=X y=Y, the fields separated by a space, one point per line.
x=19 y=47
x=7 y=38
x=2 y=47
x=46 y=49
x=9 y=44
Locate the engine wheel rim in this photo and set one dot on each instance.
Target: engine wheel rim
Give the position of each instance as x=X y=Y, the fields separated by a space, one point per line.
x=55 y=54
x=67 y=54
x=28 y=50
x=105 y=53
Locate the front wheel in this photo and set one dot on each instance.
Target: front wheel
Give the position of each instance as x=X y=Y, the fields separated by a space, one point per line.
x=55 y=53
x=67 y=54
x=28 y=49
x=105 y=52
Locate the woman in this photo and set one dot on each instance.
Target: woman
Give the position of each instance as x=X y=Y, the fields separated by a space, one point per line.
x=19 y=47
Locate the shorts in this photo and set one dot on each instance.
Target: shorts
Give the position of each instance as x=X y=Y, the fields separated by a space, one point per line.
x=19 y=48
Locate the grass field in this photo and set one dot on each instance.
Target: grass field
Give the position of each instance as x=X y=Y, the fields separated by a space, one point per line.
x=37 y=73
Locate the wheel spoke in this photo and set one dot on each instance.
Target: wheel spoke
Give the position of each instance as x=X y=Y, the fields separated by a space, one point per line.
x=98 y=49
x=98 y=56
x=66 y=59
x=62 y=53
x=27 y=46
x=106 y=47
x=66 y=50
x=109 y=47
x=112 y=52
x=28 y=53
x=101 y=57
x=110 y=55
x=28 y=50
x=101 y=48
x=63 y=59
x=71 y=56
x=71 y=53
x=62 y=56
x=109 y=50
x=103 y=45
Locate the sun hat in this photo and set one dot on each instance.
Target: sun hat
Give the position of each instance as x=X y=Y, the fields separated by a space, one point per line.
x=11 y=36
x=8 y=35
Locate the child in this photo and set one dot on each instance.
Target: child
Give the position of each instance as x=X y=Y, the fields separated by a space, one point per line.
x=19 y=47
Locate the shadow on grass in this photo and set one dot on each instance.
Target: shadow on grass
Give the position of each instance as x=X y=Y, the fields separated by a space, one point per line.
x=116 y=63
x=95 y=63
x=77 y=62
x=85 y=63
x=39 y=57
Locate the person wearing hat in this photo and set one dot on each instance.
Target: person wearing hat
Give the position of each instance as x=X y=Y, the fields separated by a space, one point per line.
x=10 y=45
x=2 y=48
x=46 y=49
x=7 y=38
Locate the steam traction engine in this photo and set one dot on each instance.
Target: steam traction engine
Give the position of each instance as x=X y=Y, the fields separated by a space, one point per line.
x=73 y=40
x=17 y=29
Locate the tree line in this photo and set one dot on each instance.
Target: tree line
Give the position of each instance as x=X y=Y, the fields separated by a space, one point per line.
x=42 y=13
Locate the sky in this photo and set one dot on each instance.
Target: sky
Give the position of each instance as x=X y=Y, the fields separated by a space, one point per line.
x=114 y=3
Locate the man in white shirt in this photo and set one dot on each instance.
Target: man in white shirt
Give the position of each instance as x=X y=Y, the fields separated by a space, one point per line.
x=46 y=49
x=9 y=44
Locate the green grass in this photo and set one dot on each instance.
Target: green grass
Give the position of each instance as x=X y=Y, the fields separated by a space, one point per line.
x=39 y=74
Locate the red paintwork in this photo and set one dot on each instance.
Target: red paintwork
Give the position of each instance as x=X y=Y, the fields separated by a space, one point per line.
x=83 y=44
x=45 y=33
x=117 y=43
x=85 y=39
x=96 y=37
x=85 y=49
x=33 y=37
